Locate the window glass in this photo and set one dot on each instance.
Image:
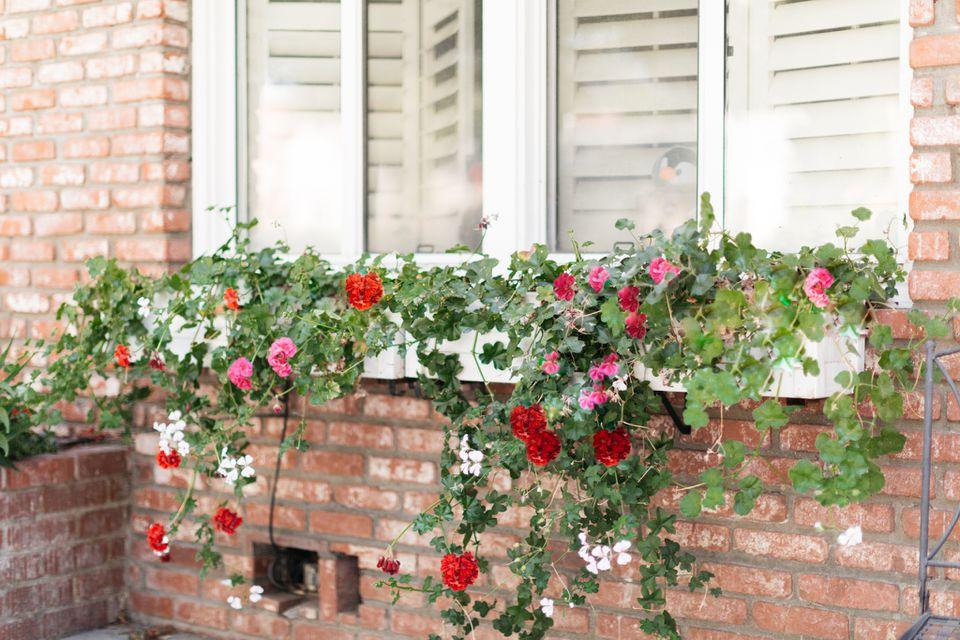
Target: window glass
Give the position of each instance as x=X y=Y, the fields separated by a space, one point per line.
x=423 y=124
x=812 y=118
x=293 y=136
x=626 y=85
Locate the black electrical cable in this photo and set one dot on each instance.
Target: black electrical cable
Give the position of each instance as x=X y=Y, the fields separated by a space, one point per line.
x=678 y=422
x=278 y=570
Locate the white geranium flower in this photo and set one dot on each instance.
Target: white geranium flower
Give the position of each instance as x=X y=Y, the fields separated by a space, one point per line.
x=851 y=537
x=234 y=602
x=621 y=549
x=256 y=593
x=546 y=605
x=470 y=458
x=143 y=307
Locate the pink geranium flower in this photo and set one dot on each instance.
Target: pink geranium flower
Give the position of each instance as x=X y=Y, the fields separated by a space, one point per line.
x=590 y=399
x=281 y=351
x=629 y=298
x=818 y=281
x=563 y=286
x=598 y=275
x=660 y=267
x=550 y=365
x=240 y=373
x=606 y=369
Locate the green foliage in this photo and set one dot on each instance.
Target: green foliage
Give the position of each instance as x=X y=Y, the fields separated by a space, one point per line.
x=727 y=325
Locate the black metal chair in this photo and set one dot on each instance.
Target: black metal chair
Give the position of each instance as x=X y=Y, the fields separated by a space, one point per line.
x=929 y=626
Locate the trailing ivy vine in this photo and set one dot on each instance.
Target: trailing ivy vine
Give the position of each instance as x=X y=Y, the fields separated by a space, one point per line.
x=570 y=446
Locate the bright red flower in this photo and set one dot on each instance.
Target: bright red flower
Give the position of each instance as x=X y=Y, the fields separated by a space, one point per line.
x=528 y=421
x=389 y=566
x=563 y=286
x=459 y=572
x=364 y=290
x=170 y=460
x=542 y=448
x=232 y=299
x=637 y=325
x=122 y=356
x=156 y=362
x=629 y=298
x=610 y=447
x=157 y=539
x=226 y=520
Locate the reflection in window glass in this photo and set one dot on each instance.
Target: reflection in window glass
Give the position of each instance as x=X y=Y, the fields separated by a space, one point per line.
x=423 y=124
x=626 y=77
x=812 y=118
x=293 y=122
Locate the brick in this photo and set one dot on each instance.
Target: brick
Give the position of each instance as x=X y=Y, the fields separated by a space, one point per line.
x=82 y=44
x=111 y=172
x=27 y=302
x=12 y=177
x=62 y=174
x=935 y=205
x=31 y=150
x=25 y=6
x=55 y=22
x=60 y=72
x=15 y=77
x=921 y=92
x=116 y=118
x=84 y=96
x=58 y=224
x=933 y=285
x=84 y=199
x=153 y=250
x=150 y=35
x=151 y=89
x=165 y=220
x=150 y=196
x=929 y=245
x=935 y=131
x=784 y=546
x=878 y=556
x=926 y=168
x=339 y=523
x=31 y=50
x=921 y=13
x=352 y=434
x=32 y=251
x=877 y=629
x=935 y=50
x=173 y=9
x=35 y=99
x=92 y=147
x=83 y=249
x=14 y=226
x=803 y=621
x=55 y=277
x=849 y=593
x=362 y=497
x=164 y=115
x=19 y=126
x=111 y=223
x=166 y=61
x=401 y=470
x=109 y=15
x=59 y=122
x=33 y=201
x=111 y=67
x=399 y=408
x=332 y=463
x=872 y=517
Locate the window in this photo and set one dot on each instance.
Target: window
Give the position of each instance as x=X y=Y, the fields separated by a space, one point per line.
x=393 y=125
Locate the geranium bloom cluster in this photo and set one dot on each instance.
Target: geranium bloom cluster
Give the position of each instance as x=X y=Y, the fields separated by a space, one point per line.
x=172 y=443
x=470 y=459
x=122 y=356
x=158 y=541
x=240 y=374
x=816 y=285
x=363 y=290
x=611 y=447
x=280 y=353
x=599 y=557
x=233 y=468
x=226 y=521
x=459 y=571
x=390 y=566
x=529 y=425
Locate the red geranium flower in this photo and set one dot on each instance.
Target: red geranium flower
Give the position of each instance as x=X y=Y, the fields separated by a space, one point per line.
x=168 y=460
x=389 y=566
x=459 y=572
x=122 y=356
x=610 y=447
x=156 y=362
x=364 y=291
x=542 y=448
x=527 y=421
x=563 y=286
x=232 y=299
x=637 y=325
x=158 y=541
x=227 y=521
x=629 y=298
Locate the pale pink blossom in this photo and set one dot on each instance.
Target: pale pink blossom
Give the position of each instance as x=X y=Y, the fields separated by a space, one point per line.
x=281 y=351
x=590 y=399
x=550 y=365
x=816 y=284
x=598 y=275
x=606 y=369
x=240 y=373
x=660 y=267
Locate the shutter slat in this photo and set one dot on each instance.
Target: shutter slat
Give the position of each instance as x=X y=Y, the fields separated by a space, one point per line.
x=866 y=187
x=305 y=44
x=633 y=98
x=819 y=15
x=294 y=16
x=301 y=98
x=636 y=65
x=867 y=115
x=304 y=70
x=835 y=47
x=628 y=129
x=835 y=83
x=636 y=33
x=869 y=151
x=596 y=8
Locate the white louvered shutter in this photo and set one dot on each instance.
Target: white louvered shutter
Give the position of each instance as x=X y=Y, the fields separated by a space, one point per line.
x=813 y=117
x=293 y=122
x=423 y=124
x=627 y=94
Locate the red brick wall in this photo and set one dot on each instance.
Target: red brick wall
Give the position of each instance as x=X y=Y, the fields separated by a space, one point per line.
x=93 y=145
x=63 y=542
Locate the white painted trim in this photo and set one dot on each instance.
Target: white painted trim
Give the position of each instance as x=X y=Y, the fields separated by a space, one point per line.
x=711 y=106
x=214 y=121
x=353 y=78
x=902 y=299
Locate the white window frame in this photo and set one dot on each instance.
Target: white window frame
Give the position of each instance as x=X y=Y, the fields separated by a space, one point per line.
x=517 y=167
